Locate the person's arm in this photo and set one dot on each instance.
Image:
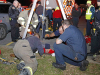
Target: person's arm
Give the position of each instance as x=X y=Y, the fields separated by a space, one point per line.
x=96 y=14
x=58 y=41
x=93 y=11
x=52 y=35
x=63 y=37
x=56 y=33
x=40 y=48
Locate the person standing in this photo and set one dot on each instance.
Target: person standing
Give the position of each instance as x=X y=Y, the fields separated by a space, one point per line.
x=57 y=18
x=76 y=12
x=75 y=52
x=89 y=16
x=39 y=12
x=13 y=15
x=20 y=8
x=95 y=38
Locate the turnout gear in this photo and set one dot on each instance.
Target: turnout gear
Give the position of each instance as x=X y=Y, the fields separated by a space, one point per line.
x=26 y=71
x=20 y=65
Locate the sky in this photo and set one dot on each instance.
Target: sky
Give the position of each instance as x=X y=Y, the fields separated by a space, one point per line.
x=28 y=2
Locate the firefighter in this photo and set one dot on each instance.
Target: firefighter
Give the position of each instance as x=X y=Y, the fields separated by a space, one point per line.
x=24 y=50
x=95 y=39
x=57 y=18
x=23 y=18
x=13 y=16
x=89 y=16
x=39 y=12
x=76 y=12
x=74 y=52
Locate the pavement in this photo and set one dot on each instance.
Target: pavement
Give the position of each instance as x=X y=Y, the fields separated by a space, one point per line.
x=81 y=27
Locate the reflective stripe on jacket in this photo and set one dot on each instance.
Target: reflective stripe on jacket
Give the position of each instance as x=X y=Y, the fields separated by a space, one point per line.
x=89 y=13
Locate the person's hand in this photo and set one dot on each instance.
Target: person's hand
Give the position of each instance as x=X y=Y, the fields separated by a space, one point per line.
x=47 y=36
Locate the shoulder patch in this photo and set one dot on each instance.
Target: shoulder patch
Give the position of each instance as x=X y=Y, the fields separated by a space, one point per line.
x=13 y=7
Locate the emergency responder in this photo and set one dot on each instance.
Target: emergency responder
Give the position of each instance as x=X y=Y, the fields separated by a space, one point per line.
x=20 y=8
x=39 y=12
x=50 y=13
x=76 y=12
x=57 y=18
x=95 y=39
x=24 y=49
x=23 y=18
x=13 y=15
x=74 y=52
x=89 y=16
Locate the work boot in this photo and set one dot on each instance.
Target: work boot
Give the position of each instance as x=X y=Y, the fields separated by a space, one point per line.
x=23 y=72
x=60 y=66
x=84 y=65
x=20 y=65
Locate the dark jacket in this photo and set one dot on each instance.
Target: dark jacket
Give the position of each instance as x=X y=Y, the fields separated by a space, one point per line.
x=13 y=12
x=76 y=12
x=35 y=44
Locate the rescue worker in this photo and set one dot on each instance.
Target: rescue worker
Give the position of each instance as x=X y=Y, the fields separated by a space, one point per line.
x=24 y=50
x=39 y=12
x=76 y=12
x=74 y=52
x=20 y=8
x=95 y=38
x=13 y=16
x=89 y=16
x=23 y=18
x=57 y=18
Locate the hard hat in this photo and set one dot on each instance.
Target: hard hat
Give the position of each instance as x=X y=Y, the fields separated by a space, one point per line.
x=88 y=2
x=57 y=8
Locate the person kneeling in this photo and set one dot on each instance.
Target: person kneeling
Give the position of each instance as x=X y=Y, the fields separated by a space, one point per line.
x=75 y=52
x=24 y=50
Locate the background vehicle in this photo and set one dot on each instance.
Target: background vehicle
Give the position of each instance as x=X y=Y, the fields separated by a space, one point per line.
x=4 y=19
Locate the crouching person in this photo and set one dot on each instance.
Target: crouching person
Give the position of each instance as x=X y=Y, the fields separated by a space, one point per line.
x=24 y=49
x=74 y=52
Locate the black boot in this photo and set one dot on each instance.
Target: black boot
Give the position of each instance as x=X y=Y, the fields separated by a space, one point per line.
x=20 y=66
x=24 y=72
x=84 y=65
x=60 y=66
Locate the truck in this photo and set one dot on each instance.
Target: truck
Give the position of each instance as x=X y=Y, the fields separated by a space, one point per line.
x=4 y=19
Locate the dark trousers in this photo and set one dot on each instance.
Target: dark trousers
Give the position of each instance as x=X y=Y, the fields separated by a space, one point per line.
x=95 y=43
x=75 y=21
x=55 y=22
x=38 y=28
x=14 y=29
x=64 y=53
x=88 y=28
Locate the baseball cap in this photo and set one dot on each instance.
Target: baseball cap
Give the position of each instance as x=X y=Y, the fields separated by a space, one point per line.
x=89 y=2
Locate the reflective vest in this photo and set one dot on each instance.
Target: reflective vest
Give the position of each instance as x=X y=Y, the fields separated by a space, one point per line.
x=89 y=13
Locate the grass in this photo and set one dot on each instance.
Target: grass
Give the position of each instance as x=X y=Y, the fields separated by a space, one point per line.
x=44 y=66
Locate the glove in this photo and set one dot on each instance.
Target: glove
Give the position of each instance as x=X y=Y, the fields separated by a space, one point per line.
x=47 y=36
x=91 y=21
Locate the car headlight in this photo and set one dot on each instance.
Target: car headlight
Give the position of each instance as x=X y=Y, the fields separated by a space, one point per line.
x=21 y=20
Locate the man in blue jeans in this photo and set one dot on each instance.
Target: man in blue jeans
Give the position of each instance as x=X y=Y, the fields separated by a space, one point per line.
x=74 y=52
